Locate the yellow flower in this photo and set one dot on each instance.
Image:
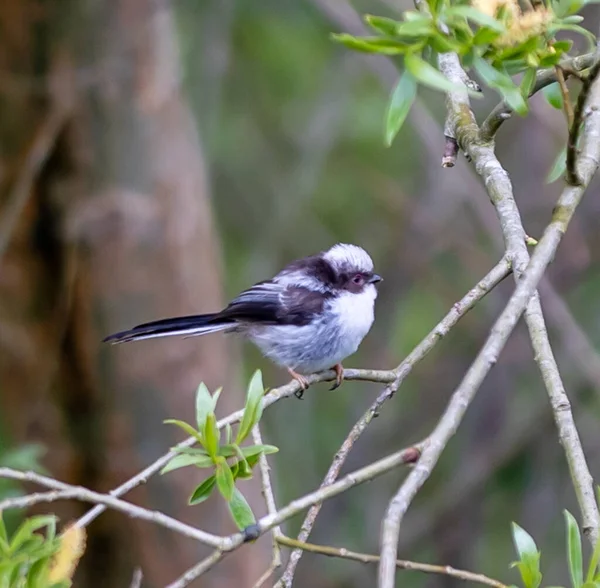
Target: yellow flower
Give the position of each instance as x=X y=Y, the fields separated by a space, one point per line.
x=65 y=560
x=520 y=26
x=525 y=26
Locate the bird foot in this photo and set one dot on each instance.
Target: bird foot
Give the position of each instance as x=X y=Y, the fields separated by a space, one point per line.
x=339 y=375
x=301 y=380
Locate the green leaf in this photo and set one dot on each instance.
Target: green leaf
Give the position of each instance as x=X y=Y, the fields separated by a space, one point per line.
x=229 y=450
x=574 y=550
x=370 y=44
x=419 y=27
x=479 y=18
x=574 y=6
x=559 y=167
x=553 y=29
x=399 y=106
x=485 y=36
x=529 y=564
x=224 y=479
x=182 y=461
x=28 y=528
x=240 y=510
x=527 y=83
x=202 y=492
x=3 y=533
x=252 y=450
x=204 y=405
x=227 y=434
x=187 y=428
x=256 y=392
x=553 y=96
x=189 y=450
x=253 y=408
x=429 y=75
x=435 y=6
x=245 y=470
x=593 y=566
x=502 y=83
x=212 y=435
x=381 y=24
x=442 y=43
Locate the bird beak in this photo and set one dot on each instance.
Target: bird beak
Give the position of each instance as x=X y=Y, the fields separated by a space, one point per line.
x=375 y=278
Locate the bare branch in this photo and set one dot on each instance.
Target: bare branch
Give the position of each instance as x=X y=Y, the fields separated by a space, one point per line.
x=267 y=490
x=70 y=491
x=199 y=569
x=566 y=98
x=575 y=127
x=400 y=563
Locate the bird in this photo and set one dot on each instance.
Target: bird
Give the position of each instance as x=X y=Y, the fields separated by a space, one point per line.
x=308 y=318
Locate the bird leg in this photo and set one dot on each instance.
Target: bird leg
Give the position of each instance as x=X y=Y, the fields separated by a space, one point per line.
x=339 y=375
x=301 y=380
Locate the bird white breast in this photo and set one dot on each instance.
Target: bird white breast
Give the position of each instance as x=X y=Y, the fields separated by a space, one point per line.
x=355 y=316
x=326 y=341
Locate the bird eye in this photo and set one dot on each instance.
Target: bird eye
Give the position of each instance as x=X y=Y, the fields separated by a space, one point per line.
x=358 y=279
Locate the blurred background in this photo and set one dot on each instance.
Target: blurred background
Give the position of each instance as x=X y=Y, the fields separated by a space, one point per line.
x=158 y=157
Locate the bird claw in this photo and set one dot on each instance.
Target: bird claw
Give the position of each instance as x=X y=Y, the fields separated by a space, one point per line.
x=302 y=381
x=339 y=376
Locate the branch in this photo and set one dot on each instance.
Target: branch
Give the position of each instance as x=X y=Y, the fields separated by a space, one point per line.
x=69 y=491
x=500 y=190
x=564 y=92
x=499 y=187
x=577 y=120
x=198 y=569
x=267 y=490
x=290 y=389
x=544 y=78
x=488 y=283
x=400 y=563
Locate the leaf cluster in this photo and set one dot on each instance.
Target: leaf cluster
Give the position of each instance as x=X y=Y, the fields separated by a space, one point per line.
x=26 y=557
x=528 y=563
x=496 y=47
x=228 y=459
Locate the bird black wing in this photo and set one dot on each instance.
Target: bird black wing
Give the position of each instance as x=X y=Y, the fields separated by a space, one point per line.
x=268 y=302
x=272 y=302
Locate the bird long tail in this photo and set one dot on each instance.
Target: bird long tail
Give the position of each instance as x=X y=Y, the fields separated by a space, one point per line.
x=191 y=326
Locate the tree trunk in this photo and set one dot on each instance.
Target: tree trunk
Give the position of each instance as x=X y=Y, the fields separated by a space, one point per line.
x=113 y=229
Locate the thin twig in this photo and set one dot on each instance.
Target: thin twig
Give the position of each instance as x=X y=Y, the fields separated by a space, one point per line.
x=458 y=310
x=400 y=563
x=80 y=493
x=199 y=569
x=566 y=98
x=267 y=490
